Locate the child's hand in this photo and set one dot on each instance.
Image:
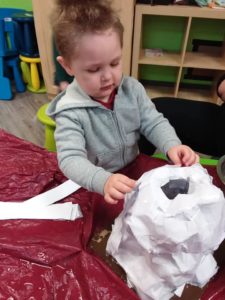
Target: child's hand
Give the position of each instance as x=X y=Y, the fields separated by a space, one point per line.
x=116 y=187
x=183 y=155
x=221 y=90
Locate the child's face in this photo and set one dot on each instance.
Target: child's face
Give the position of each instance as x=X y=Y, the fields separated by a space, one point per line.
x=97 y=66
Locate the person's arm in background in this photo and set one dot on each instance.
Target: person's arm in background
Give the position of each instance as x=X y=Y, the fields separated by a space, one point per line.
x=221 y=88
x=62 y=79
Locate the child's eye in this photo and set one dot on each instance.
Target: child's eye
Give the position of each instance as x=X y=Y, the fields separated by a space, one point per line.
x=114 y=64
x=93 y=70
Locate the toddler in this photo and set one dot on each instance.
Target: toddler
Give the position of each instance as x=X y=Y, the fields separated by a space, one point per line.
x=101 y=114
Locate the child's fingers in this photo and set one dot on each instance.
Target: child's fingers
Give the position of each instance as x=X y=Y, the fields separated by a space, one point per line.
x=124 y=187
x=116 y=194
x=110 y=200
x=126 y=181
x=183 y=155
x=174 y=157
x=190 y=158
x=116 y=187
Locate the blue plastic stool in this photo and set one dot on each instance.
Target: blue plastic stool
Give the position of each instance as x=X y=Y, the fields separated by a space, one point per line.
x=14 y=64
x=28 y=42
x=8 y=12
x=5 y=90
x=9 y=60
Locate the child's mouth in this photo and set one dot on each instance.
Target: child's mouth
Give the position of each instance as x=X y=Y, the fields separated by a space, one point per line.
x=106 y=88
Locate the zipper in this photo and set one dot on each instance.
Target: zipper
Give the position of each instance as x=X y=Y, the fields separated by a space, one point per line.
x=120 y=136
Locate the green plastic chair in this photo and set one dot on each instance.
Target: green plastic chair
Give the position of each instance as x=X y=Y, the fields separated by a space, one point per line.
x=203 y=161
x=49 y=128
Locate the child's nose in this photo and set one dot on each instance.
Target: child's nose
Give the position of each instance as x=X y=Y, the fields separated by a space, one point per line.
x=106 y=75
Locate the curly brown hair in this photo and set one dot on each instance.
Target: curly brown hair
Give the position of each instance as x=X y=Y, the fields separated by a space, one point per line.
x=71 y=19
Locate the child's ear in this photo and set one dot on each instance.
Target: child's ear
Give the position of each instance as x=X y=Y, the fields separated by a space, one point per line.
x=65 y=65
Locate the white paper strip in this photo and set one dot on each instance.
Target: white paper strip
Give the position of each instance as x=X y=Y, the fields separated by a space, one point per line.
x=42 y=207
x=63 y=211
x=61 y=191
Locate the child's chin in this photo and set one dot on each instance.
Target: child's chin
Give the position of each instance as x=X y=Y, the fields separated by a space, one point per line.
x=104 y=95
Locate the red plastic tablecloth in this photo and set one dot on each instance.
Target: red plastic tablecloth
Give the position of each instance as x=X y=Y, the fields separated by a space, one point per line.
x=46 y=260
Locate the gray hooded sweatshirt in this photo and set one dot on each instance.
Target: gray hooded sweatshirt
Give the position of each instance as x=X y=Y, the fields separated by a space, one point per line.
x=93 y=141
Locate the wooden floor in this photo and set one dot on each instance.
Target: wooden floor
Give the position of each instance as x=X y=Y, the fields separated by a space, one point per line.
x=18 y=116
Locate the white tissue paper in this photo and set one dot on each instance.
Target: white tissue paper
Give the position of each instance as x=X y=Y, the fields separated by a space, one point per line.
x=163 y=244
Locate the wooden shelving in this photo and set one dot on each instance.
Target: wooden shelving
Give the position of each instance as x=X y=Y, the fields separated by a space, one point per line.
x=202 y=60
x=168 y=59
x=183 y=58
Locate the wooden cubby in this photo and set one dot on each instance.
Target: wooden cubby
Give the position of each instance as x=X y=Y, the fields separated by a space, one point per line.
x=183 y=20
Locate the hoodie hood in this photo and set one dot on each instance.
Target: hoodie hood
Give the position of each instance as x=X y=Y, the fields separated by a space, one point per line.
x=72 y=97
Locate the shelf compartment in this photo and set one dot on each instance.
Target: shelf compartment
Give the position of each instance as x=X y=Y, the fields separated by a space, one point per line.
x=168 y=58
x=158 y=74
x=154 y=91
x=163 y=32
x=207 y=30
x=180 y=10
x=204 y=61
x=196 y=94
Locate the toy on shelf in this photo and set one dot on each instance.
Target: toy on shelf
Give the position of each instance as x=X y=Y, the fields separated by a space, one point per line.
x=211 y=3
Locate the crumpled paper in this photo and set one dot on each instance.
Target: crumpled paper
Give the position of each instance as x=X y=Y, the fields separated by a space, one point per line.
x=163 y=244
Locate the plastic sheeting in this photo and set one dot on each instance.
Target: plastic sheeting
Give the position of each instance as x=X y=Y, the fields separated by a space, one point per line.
x=48 y=259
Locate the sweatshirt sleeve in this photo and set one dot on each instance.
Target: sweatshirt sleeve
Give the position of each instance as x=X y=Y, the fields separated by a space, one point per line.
x=72 y=155
x=154 y=126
